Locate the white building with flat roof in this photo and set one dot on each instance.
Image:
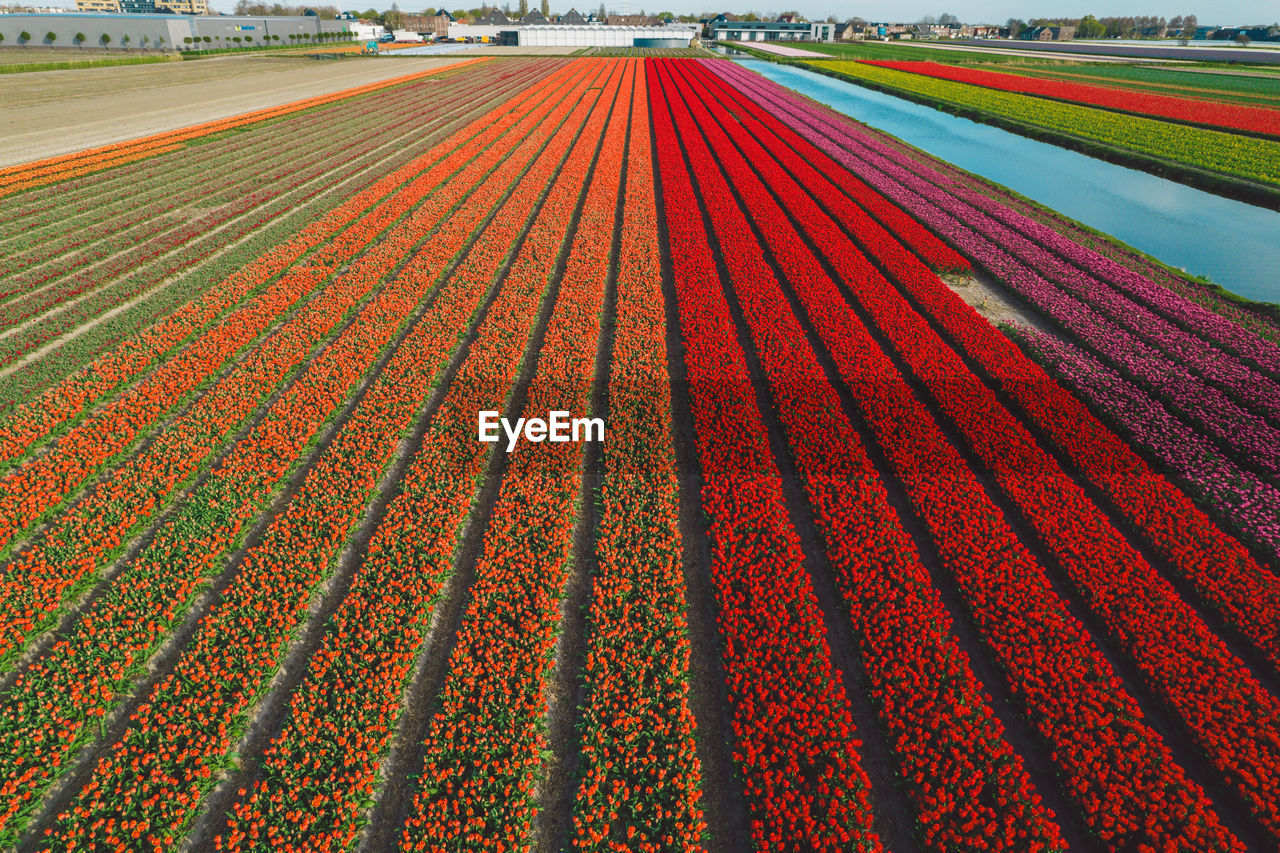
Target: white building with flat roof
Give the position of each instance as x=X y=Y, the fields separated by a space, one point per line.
x=601 y=35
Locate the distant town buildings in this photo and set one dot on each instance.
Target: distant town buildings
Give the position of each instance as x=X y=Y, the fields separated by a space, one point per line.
x=1063 y=33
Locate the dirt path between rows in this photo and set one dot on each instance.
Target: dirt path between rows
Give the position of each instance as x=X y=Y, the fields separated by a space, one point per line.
x=48 y=113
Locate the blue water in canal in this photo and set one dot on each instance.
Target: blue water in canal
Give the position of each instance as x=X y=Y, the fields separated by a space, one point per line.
x=1233 y=244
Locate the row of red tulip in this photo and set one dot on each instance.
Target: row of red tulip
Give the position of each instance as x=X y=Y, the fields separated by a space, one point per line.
x=194 y=716
x=1216 y=565
x=1184 y=663
x=1220 y=569
x=90 y=669
x=1217 y=114
x=641 y=777
x=1116 y=767
x=477 y=789
x=124 y=363
x=970 y=788
x=796 y=746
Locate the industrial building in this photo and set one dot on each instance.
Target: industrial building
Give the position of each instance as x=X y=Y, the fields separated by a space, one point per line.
x=123 y=30
x=600 y=35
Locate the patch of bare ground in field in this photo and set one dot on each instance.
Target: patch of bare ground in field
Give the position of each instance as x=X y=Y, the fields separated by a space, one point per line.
x=989 y=299
x=48 y=113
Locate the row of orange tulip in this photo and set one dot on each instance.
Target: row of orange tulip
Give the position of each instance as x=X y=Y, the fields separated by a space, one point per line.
x=88 y=672
x=96 y=527
x=311 y=794
x=42 y=482
x=482 y=751
x=36 y=419
x=91 y=218
x=40 y=226
x=194 y=716
x=641 y=777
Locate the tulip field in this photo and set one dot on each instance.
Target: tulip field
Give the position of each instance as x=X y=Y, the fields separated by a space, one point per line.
x=1198 y=134
x=852 y=567
x=1220 y=115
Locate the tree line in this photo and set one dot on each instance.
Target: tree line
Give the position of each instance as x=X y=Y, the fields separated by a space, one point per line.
x=1126 y=26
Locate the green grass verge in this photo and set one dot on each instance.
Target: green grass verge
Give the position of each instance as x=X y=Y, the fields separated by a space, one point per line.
x=13 y=66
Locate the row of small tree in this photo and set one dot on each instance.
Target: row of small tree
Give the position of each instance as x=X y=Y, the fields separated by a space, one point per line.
x=79 y=39
x=195 y=41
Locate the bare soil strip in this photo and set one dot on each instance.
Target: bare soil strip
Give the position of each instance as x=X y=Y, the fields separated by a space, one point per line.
x=50 y=113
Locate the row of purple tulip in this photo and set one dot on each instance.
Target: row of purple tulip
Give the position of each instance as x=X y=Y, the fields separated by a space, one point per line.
x=1251 y=506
